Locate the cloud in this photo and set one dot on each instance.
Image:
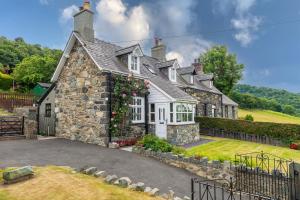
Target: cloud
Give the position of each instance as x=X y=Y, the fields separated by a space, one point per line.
x=244 y=22
x=116 y=21
x=67 y=13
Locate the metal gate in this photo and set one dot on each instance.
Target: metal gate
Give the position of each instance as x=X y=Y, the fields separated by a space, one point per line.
x=210 y=190
x=266 y=175
x=11 y=125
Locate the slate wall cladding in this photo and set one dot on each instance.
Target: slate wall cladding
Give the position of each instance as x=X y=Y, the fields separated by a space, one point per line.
x=183 y=134
x=81 y=100
x=207 y=98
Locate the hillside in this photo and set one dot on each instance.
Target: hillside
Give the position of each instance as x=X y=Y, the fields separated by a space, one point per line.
x=278 y=96
x=269 y=116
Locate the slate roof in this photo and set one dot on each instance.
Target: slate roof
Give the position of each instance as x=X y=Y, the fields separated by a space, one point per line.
x=126 y=50
x=186 y=70
x=205 y=77
x=228 y=101
x=168 y=63
x=44 y=85
x=105 y=55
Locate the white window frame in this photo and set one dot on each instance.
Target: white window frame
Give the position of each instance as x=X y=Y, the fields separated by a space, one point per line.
x=192 y=79
x=175 y=112
x=134 y=108
x=172 y=74
x=134 y=66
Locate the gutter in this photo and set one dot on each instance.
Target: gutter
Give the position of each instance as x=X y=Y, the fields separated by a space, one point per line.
x=110 y=107
x=146 y=114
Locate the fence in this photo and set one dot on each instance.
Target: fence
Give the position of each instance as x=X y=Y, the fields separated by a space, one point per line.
x=10 y=125
x=9 y=101
x=215 y=132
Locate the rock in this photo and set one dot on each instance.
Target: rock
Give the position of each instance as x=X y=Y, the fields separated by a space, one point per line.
x=102 y=174
x=154 y=192
x=111 y=179
x=165 y=196
x=226 y=165
x=132 y=186
x=171 y=194
x=140 y=186
x=148 y=190
x=17 y=175
x=113 y=145
x=216 y=164
x=124 y=182
x=186 y=198
x=82 y=168
x=177 y=198
x=90 y=170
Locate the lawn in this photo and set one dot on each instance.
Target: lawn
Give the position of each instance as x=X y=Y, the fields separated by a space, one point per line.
x=270 y=116
x=59 y=183
x=4 y=113
x=225 y=149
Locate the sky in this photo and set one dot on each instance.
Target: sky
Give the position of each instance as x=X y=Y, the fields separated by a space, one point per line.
x=264 y=34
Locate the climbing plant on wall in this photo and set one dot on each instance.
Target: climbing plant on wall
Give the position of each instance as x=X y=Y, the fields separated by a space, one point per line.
x=124 y=88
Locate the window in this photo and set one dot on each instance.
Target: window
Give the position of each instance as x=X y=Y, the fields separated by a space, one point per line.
x=133 y=63
x=171 y=112
x=213 y=111
x=48 y=110
x=233 y=112
x=205 y=113
x=192 y=79
x=152 y=112
x=184 y=113
x=226 y=111
x=172 y=74
x=210 y=84
x=137 y=110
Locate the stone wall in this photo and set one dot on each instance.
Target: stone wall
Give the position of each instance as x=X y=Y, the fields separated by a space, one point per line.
x=81 y=100
x=183 y=134
x=30 y=121
x=232 y=112
x=206 y=98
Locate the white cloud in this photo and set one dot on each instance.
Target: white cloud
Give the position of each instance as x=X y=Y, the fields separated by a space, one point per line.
x=175 y=55
x=245 y=28
x=245 y=23
x=67 y=13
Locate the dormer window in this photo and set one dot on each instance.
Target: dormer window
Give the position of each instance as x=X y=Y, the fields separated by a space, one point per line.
x=172 y=74
x=134 y=63
x=192 y=79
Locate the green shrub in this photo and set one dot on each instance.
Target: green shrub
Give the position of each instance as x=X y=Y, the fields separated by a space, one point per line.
x=283 y=132
x=178 y=150
x=156 y=144
x=6 y=81
x=249 y=118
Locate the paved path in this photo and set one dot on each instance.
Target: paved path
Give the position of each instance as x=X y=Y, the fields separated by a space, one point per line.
x=76 y=154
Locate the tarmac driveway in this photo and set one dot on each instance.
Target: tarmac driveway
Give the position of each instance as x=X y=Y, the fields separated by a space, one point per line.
x=76 y=154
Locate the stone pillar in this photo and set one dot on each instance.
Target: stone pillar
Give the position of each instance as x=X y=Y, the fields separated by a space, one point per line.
x=30 y=124
x=295 y=186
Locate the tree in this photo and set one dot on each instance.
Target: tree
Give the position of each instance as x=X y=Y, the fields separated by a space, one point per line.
x=34 y=69
x=288 y=109
x=227 y=72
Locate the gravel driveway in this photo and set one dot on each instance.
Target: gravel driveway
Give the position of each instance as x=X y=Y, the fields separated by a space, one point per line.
x=76 y=154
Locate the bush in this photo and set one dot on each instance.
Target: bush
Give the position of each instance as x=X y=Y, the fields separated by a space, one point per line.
x=286 y=133
x=156 y=144
x=249 y=118
x=6 y=81
x=178 y=150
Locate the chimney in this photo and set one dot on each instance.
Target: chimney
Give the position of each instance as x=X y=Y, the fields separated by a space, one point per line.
x=159 y=50
x=83 y=22
x=198 y=66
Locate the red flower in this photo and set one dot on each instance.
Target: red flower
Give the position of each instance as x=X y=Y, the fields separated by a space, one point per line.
x=114 y=113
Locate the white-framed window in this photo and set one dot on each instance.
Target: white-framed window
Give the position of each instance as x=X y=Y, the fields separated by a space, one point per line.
x=192 y=79
x=214 y=111
x=172 y=74
x=152 y=113
x=138 y=110
x=134 y=63
x=171 y=112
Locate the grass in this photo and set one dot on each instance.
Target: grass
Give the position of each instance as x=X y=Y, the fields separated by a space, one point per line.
x=59 y=183
x=4 y=113
x=270 y=116
x=225 y=149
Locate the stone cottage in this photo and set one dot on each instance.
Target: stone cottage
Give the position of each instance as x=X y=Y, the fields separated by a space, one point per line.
x=86 y=83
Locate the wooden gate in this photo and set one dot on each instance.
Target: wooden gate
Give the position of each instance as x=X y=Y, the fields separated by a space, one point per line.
x=11 y=125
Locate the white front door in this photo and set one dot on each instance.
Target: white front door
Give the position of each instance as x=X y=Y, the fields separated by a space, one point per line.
x=161 y=120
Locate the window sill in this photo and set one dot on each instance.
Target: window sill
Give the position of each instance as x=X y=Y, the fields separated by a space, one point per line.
x=181 y=123
x=138 y=122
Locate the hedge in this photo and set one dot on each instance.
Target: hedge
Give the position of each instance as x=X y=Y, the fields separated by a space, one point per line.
x=6 y=81
x=284 y=132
